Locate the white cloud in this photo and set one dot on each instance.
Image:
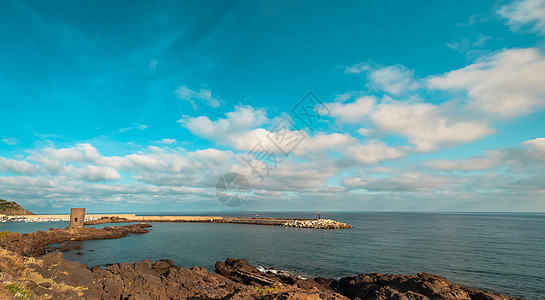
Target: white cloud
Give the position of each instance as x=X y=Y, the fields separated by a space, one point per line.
x=525 y=12
x=520 y=160
x=156 y=174
x=159 y=160
x=425 y=126
x=192 y=96
x=396 y=79
x=536 y=147
x=353 y=112
x=167 y=141
x=214 y=155
x=322 y=141
x=17 y=166
x=364 y=131
x=137 y=126
x=375 y=151
x=474 y=19
x=290 y=176
x=348 y=95
x=490 y=160
x=464 y=44
x=10 y=141
x=509 y=83
x=237 y=129
x=481 y=40
x=404 y=182
x=98 y=173
x=240 y=120
x=79 y=153
x=357 y=68
x=81 y=173
x=381 y=170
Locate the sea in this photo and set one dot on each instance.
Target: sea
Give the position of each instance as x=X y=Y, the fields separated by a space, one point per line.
x=500 y=252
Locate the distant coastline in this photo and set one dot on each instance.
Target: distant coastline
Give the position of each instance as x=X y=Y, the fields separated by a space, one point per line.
x=93 y=219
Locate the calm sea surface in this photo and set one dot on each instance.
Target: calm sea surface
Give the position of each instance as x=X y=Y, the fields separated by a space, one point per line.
x=498 y=252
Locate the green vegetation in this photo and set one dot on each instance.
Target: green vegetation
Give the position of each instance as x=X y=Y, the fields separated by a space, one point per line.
x=18 y=291
x=267 y=290
x=5 y=205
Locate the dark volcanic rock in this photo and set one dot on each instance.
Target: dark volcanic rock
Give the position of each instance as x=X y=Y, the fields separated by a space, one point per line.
x=364 y=286
x=422 y=286
x=164 y=280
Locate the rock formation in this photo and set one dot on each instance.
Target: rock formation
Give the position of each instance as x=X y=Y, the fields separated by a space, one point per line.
x=11 y=208
x=422 y=286
x=53 y=277
x=36 y=243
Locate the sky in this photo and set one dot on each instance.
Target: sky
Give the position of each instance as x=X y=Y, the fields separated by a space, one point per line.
x=144 y=106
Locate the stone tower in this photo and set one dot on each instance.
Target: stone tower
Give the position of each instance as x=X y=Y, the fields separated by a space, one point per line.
x=77 y=217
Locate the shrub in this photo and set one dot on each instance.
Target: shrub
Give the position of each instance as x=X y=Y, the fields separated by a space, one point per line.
x=18 y=291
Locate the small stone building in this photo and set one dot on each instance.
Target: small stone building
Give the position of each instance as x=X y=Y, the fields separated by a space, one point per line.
x=77 y=217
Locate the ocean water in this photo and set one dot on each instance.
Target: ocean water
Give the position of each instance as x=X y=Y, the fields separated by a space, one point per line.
x=498 y=252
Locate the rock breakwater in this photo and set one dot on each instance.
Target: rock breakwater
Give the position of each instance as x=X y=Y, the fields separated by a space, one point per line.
x=318 y=224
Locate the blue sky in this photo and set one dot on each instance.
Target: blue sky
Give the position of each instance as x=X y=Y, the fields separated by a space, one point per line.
x=143 y=106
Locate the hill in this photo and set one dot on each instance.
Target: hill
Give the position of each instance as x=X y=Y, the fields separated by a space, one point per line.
x=11 y=208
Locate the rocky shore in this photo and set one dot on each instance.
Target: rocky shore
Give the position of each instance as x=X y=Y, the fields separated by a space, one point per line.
x=26 y=273
x=53 y=277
